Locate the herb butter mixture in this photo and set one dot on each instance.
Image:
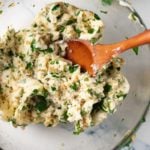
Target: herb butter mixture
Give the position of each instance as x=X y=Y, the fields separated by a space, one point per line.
x=37 y=85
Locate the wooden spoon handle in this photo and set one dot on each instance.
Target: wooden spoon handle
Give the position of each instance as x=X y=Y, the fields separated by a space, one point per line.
x=140 y=39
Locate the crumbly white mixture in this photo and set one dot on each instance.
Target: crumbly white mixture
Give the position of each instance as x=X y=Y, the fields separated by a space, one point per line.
x=37 y=85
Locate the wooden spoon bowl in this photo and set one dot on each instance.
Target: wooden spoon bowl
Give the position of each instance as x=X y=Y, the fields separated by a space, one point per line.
x=92 y=57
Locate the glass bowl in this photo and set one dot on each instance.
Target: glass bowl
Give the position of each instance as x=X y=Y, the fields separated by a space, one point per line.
x=116 y=129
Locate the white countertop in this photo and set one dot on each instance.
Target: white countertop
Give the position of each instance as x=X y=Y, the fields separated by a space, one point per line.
x=142 y=141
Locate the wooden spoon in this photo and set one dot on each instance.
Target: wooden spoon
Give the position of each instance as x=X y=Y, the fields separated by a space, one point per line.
x=92 y=57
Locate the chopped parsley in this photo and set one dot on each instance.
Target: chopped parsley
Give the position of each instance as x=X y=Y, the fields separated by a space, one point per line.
x=66 y=4
x=98 y=79
x=56 y=75
x=49 y=50
x=13 y=121
x=1 y=11
x=71 y=21
x=121 y=94
x=35 y=92
x=73 y=68
x=52 y=62
x=33 y=45
x=34 y=25
x=75 y=86
x=61 y=29
x=64 y=116
x=107 y=2
x=94 y=40
x=48 y=19
x=77 y=13
x=41 y=103
x=96 y=17
x=21 y=56
x=134 y=16
x=53 y=88
x=78 y=128
x=29 y=65
x=8 y=66
x=45 y=93
x=94 y=93
x=91 y=30
x=83 y=112
x=136 y=50
x=78 y=31
x=56 y=7
x=107 y=88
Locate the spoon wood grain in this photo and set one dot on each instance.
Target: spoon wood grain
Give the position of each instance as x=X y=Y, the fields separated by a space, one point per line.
x=92 y=57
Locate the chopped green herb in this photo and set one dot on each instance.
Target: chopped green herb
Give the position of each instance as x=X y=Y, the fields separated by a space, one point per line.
x=13 y=121
x=136 y=50
x=94 y=93
x=75 y=86
x=73 y=68
x=98 y=79
x=107 y=88
x=24 y=108
x=78 y=128
x=56 y=7
x=56 y=75
x=143 y=119
x=77 y=13
x=59 y=16
x=107 y=106
x=134 y=16
x=34 y=25
x=21 y=56
x=8 y=66
x=34 y=92
x=61 y=28
x=52 y=62
x=48 y=19
x=78 y=31
x=107 y=2
x=121 y=94
x=91 y=30
x=41 y=103
x=1 y=11
x=33 y=45
x=53 y=88
x=64 y=116
x=110 y=69
x=104 y=12
x=94 y=40
x=86 y=79
x=21 y=92
x=29 y=66
x=49 y=50
x=45 y=93
x=71 y=21
x=83 y=112
x=97 y=17
x=66 y=4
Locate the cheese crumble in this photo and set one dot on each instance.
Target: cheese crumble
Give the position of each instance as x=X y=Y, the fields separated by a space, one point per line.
x=38 y=85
